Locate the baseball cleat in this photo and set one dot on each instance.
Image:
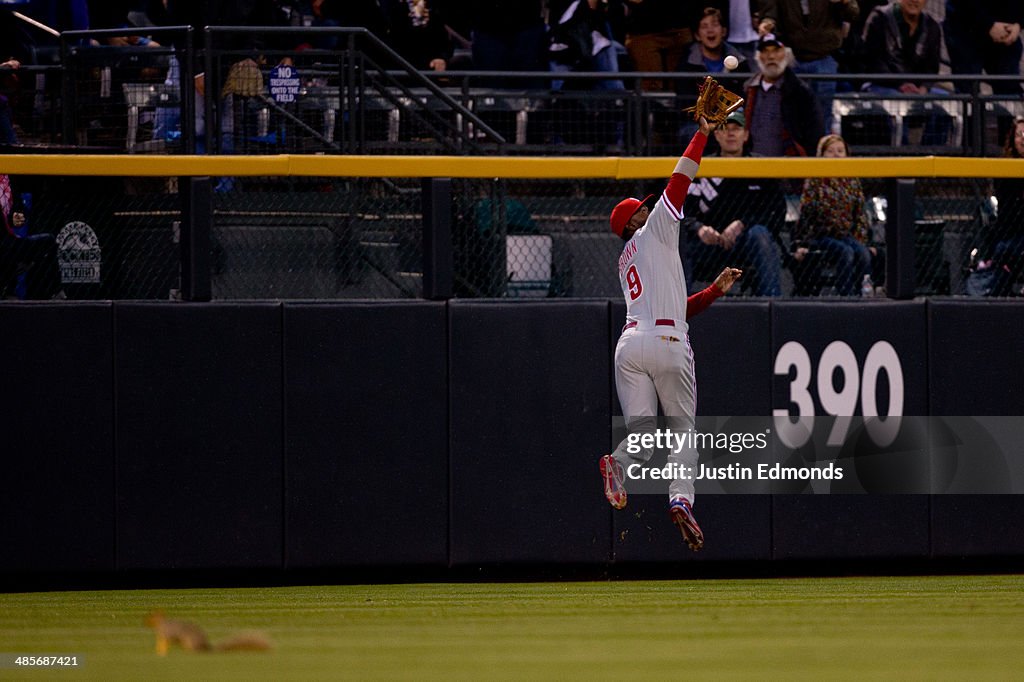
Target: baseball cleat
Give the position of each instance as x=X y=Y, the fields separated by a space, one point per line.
x=682 y=515
x=614 y=482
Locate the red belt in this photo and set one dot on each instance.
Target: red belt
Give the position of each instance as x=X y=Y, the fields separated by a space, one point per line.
x=657 y=323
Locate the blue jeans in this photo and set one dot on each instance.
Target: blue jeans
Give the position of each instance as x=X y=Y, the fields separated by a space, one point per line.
x=824 y=90
x=1008 y=258
x=852 y=260
x=754 y=249
x=606 y=61
x=966 y=56
x=520 y=51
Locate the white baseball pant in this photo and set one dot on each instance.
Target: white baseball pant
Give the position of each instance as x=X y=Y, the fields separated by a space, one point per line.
x=652 y=364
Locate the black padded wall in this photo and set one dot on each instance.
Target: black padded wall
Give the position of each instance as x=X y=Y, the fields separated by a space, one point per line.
x=319 y=435
x=850 y=526
x=837 y=525
x=976 y=369
x=199 y=435
x=57 y=481
x=976 y=358
x=366 y=405
x=530 y=417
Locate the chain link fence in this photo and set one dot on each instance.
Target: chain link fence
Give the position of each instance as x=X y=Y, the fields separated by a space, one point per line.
x=271 y=238
x=343 y=238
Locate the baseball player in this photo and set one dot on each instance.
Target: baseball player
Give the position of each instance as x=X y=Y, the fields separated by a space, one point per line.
x=653 y=359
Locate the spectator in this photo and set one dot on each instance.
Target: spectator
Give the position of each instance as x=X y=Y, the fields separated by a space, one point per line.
x=833 y=220
x=709 y=51
x=782 y=113
x=581 y=40
x=852 y=56
x=740 y=18
x=28 y=262
x=814 y=29
x=235 y=109
x=731 y=221
x=657 y=35
x=417 y=33
x=984 y=35
x=1008 y=255
x=131 y=66
x=509 y=35
x=708 y=54
x=902 y=38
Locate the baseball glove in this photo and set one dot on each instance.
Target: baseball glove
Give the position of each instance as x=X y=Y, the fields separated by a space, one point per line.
x=714 y=102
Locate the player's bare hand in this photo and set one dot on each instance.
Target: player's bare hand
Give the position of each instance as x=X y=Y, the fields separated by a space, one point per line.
x=801 y=253
x=705 y=127
x=709 y=235
x=727 y=278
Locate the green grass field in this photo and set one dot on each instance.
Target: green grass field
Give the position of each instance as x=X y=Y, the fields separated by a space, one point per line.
x=816 y=628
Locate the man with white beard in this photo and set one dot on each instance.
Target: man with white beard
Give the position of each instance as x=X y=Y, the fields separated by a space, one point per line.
x=782 y=113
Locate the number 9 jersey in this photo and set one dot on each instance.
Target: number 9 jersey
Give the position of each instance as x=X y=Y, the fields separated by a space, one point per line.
x=650 y=271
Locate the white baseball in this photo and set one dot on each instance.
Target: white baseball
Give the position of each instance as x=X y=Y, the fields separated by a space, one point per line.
x=731 y=62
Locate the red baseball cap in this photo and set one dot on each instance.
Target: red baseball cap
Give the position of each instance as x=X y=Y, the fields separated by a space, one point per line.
x=624 y=211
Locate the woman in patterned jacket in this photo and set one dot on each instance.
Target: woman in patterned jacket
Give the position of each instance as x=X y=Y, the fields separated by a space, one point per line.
x=833 y=220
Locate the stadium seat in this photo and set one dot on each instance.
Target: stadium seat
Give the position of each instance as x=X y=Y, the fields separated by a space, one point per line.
x=528 y=262
x=138 y=96
x=867 y=124
x=932 y=124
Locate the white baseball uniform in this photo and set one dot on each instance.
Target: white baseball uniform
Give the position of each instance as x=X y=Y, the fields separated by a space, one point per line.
x=653 y=359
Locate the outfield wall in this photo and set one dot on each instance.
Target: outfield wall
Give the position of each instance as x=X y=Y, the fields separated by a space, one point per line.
x=305 y=435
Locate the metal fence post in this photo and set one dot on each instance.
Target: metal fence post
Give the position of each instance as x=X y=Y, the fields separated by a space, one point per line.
x=187 y=92
x=900 y=275
x=438 y=263
x=977 y=120
x=67 y=93
x=196 y=224
x=211 y=124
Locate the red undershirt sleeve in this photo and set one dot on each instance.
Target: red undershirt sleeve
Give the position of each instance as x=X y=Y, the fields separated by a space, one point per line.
x=700 y=301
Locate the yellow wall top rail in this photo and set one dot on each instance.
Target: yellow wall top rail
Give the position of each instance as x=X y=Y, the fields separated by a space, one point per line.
x=617 y=168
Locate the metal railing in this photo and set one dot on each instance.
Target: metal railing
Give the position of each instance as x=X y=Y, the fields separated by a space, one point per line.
x=361 y=97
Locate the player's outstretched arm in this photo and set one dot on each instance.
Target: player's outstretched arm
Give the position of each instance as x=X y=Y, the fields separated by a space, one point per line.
x=664 y=221
x=686 y=169
x=699 y=302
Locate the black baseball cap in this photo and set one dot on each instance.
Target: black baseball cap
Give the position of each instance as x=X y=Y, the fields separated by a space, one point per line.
x=769 y=40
